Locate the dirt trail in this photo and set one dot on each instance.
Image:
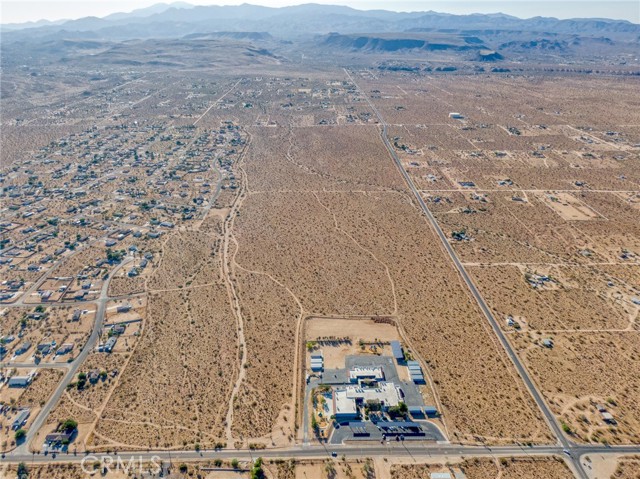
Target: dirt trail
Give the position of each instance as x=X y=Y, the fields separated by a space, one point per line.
x=227 y=267
x=370 y=253
x=116 y=382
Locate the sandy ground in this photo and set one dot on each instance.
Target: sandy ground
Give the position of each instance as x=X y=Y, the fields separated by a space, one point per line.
x=602 y=467
x=337 y=469
x=71 y=471
x=569 y=207
x=192 y=358
x=327 y=226
x=627 y=468
x=584 y=370
x=513 y=468
x=365 y=329
x=356 y=330
x=33 y=397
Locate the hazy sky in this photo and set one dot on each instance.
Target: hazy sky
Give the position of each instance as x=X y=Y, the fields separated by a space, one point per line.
x=14 y=11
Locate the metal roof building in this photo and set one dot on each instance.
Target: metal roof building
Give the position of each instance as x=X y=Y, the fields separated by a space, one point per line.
x=317 y=362
x=396 y=350
x=413 y=365
x=416 y=412
x=21 y=419
x=431 y=411
x=415 y=371
x=19 y=381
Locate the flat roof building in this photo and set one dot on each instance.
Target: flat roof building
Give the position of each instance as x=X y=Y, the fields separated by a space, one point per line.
x=396 y=350
x=358 y=374
x=344 y=407
x=347 y=399
x=416 y=412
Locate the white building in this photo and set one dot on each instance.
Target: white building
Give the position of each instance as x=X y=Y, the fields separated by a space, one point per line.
x=317 y=362
x=343 y=406
x=358 y=374
x=348 y=399
x=387 y=394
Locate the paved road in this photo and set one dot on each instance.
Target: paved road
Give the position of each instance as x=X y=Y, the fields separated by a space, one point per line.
x=32 y=289
x=36 y=366
x=72 y=368
x=550 y=418
x=392 y=449
x=75 y=365
x=313 y=382
x=217 y=101
x=345 y=435
x=47 y=274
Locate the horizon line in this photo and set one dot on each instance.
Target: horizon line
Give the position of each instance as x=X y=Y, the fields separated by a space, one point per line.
x=187 y=5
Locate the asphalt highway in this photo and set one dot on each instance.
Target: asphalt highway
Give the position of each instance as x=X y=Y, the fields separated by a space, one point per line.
x=390 y=449
x=549 y=417
x=565 y=448
x=75 y=365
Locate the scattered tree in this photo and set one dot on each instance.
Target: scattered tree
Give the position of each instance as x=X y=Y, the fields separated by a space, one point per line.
x=23 y=471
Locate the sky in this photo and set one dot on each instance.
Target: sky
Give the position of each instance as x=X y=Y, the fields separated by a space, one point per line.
x=18 y=11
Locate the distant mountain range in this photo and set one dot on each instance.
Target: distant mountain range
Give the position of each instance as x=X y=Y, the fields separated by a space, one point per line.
x=392 y=42
x=177 y=20
x=179 y=35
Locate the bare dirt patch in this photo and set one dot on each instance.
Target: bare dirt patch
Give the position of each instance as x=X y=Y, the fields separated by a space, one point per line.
x=188 y=258
x=517 y=468
x=176 y=389
x=124 y=285
x=583 y=371
x=294 y=238
x=575 y=297
x=507 y=468
x=627 y=468
x=338 y=469
x=319 y=158
x=568 y=207
x=338 y=338
x=264 y=406
x=63 y=471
